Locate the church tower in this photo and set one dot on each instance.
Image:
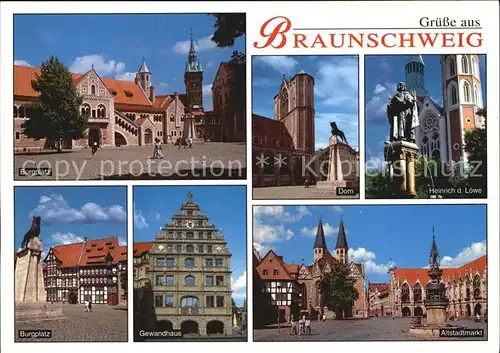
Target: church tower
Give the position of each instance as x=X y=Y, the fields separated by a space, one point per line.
x=462 y=98
x=143 y=79
x=320 y=242
x=341 y=249
x=415 y=73
x=193 y=79
x=294 y=106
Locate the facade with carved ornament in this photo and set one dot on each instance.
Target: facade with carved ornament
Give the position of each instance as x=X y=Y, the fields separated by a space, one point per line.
x=183 y=279
x=124 y=113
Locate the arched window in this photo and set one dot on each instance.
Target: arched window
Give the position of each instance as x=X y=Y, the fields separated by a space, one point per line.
x=18 y=135
x=93 y=113
x=465 y=64
x=15 y=111
x=85 y=110
x=189 y=281
x=22 y=112
x=467 y=94
x=476 y=286
x=473 y=65
x=453 y=99
x=189 y=248
x=92 y=89
x=476 y=95
x=452 y=70
x=405 y=293
x=189 y=262
x=190 y=302
x=101 y=111
x=417 y=293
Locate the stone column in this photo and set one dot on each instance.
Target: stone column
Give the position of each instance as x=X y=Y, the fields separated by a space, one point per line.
x=401 y=155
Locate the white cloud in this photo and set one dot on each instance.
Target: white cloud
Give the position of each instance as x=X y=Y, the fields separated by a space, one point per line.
x=303 y=211
x=65 y=238
x=376 y=107
x=22 y=63
x=289 y=234
x=468 y=254
x=122 y=241
x=139 y=220
x=207 y=90
x=158 y=216
x=336 y=208
x=240 y=283
x=282 y=64
x=328 y=230
x=336 y=82
x=203 y=44
x=54 y=208
x=375 y=163
x=278 y=213
x=126 y=76
x=367 y=258
x=262 y=82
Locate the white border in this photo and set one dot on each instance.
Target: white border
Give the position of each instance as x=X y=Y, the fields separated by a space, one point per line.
x=335 y=14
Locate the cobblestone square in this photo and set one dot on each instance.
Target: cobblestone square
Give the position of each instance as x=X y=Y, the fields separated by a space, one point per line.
x=296 y=193
x=103 y=324
x=209 y=160
x=374 y=329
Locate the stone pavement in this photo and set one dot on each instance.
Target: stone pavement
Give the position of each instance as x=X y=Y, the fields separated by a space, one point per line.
x=210 y=160
x=103 y=324
x=373 y=329
x=296 y=192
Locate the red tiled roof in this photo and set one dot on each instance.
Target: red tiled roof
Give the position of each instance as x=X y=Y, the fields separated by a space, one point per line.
x=449 y=274
x=92 y=252
x=127 y=93
x=272 y=261
x=141 y=247
x=380 y=287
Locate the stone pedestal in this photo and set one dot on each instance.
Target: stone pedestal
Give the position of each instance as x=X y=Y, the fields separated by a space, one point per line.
x=342 y=167
x=190 y=130
x=401 y=157
x=31 y=304
x=436 y=315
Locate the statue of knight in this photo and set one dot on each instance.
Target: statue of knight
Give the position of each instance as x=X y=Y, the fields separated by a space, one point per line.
x=402 y=114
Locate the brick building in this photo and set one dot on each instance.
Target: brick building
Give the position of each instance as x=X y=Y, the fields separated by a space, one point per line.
x=131 y=113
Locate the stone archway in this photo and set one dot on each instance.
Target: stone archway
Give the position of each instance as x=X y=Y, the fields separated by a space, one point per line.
x=189 y=326
x=477 y=309
x=215 y=327
x=469 y=310
x=94 y=136
x=406 y=311
x=164 y=325
x=418 y=311
x=148 y=137
x=120 y=140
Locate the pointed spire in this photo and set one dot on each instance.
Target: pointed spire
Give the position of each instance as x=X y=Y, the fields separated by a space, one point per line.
x=144 y=67
x=193 y=64
x=416 y=59
x=92 y=66
x=434 y=256
x=341 y=238
x=320 y=241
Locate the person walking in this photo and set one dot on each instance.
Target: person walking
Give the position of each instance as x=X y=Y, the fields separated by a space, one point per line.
x=190 y=139
x=155 y=150
x=293 y=326
x=159 y=147
x=90 y=305
x=86 y=306
x=308 y=326
x=94 y=149
x=324 y=317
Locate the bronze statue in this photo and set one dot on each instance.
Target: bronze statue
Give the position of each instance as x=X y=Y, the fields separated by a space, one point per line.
x=337 y=132
x=402 y=114
x=34 y=232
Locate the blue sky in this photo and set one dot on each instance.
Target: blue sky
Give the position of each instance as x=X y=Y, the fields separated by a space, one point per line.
x=69 y=214
x=335 y=90
x=115 y=44
x=226 y=209
x=382 y=73
x=376 y=235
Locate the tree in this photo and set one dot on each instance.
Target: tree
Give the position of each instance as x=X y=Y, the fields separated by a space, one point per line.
x=239 y=83
x=376 y=184
x=338 y=290
x=56 y=114
x=228 y=27
x=475 y=146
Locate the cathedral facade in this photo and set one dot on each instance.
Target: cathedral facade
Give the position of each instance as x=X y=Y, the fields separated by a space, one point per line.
x=310 y=276
x=282 y=145
x=124 y=113
x=440 y=133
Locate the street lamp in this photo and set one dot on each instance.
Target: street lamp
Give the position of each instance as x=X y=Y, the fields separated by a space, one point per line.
x=278 y=308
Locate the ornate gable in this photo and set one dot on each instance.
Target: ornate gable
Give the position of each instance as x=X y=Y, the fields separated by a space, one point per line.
x=304 y=273
x=91 y=85
x=224 y=76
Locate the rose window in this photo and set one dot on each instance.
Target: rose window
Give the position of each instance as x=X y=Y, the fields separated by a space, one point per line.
x=430 y=123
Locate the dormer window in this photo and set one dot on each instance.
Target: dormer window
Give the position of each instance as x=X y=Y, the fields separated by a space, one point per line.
x=129 y=94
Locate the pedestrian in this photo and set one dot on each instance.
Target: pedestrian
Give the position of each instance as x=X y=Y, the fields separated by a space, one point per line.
x=155 y=150
x=179 y=143
x=90 y=305
x=324 y=317
x=301 y=325
x=159 y=147
x=308 y=326
x=190 y=139
x=293 y=326
x=94 y=149
x=86 y=306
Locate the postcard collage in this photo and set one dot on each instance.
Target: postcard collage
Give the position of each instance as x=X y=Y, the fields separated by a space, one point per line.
x=250 y=172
